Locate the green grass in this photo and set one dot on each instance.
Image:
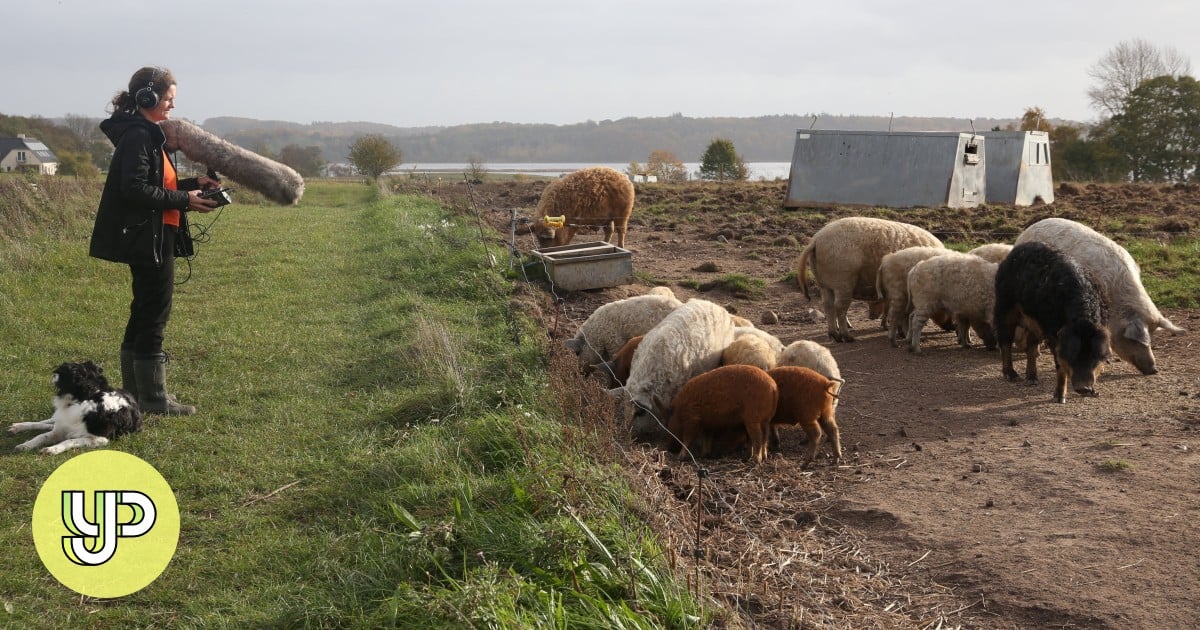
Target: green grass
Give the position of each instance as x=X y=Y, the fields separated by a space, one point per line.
x=1170 y=272
x=355 y=356
x=1114 y=466
x=739 y=284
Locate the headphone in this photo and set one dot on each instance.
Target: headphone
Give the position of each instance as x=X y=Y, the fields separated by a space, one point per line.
x=146 y=97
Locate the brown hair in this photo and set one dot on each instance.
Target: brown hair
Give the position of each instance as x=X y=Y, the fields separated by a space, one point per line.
x=161 y=78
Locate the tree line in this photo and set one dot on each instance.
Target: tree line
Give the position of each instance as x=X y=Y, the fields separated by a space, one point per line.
x=760 y=138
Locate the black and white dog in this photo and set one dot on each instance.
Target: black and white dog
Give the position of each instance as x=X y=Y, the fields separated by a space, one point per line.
x=87 y=412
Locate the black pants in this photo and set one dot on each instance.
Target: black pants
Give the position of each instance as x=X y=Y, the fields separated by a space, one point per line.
x=153 y=290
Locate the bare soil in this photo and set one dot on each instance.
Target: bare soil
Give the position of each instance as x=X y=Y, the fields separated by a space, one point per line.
x=963 y=499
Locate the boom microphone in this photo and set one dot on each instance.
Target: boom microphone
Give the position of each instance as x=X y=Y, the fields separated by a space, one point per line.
x=276 y=181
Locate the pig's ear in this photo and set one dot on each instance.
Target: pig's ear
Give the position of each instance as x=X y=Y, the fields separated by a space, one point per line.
x=574 y=344
x=1136 y=330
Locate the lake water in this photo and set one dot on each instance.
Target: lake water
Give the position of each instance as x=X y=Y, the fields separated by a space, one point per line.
x=758 y=170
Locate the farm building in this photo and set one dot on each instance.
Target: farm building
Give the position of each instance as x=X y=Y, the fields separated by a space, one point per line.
x=899 y=170
x=1018 y=167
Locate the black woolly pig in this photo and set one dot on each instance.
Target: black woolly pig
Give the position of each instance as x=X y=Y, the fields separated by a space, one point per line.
x=1051 y=295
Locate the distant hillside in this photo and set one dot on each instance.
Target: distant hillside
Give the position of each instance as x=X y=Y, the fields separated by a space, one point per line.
x=228 y=125
x=758 y=139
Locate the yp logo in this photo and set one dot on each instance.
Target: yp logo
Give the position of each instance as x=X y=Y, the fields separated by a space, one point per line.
x=105 y=524
x=94 y=541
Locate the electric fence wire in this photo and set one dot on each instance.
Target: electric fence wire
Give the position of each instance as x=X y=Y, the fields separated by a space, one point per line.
x=719 y=498
x=686 y=453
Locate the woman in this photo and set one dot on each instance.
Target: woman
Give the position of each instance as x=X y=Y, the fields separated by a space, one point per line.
x=139 y=223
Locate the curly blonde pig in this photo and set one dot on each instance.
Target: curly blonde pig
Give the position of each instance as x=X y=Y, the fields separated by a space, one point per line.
x=891 y=284
x=845 y=256
x=964 y=285
x=992 y=252
x=750 y=350
x=613 y=324
x=687 y=342
x=814 y=356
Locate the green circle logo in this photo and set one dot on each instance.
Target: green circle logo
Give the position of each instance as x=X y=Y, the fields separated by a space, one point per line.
x=105 y=524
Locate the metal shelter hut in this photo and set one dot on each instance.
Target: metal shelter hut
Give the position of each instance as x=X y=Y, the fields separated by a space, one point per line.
x=898 y=170
x=1018 y=167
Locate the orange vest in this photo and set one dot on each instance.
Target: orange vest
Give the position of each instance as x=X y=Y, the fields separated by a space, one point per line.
x=170 y=182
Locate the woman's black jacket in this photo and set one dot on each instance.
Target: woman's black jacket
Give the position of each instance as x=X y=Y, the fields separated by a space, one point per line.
x=129 y=222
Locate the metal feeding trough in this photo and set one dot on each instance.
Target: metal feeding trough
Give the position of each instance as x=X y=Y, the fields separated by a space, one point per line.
x=586 y=265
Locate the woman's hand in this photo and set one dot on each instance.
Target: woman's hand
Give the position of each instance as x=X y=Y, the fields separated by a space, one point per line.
x=208 y=183
x=198 y=204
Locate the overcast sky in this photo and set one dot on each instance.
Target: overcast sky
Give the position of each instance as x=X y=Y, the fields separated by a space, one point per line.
x=447 y=62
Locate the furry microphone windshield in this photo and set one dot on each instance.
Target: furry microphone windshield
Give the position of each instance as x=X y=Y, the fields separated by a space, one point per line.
x=278 y=182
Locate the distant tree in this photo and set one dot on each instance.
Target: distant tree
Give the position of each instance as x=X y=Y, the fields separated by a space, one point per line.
x=1034 y=119
x=1119 y=72
x=635 y=169
x=476 y=168
x=77 y=164
x=666 y=167
x=85 y=129
x=1158 y=129
x=721 y=162
x=1063 y=142
x=305 y=160
x=265 y=150
x=56 y=137
x=1082 y=154
x=373 y=155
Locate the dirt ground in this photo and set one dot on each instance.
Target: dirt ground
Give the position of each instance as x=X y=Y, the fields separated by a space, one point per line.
x=963 y=500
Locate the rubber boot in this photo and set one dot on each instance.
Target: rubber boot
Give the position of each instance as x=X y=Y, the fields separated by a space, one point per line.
x=151 y=374
x=128 y=377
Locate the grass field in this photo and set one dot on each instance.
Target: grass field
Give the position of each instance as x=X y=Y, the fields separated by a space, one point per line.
x=374 y=446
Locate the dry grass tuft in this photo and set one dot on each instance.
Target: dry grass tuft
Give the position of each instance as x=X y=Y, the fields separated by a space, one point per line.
x=757 y=541
x=45 y=204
